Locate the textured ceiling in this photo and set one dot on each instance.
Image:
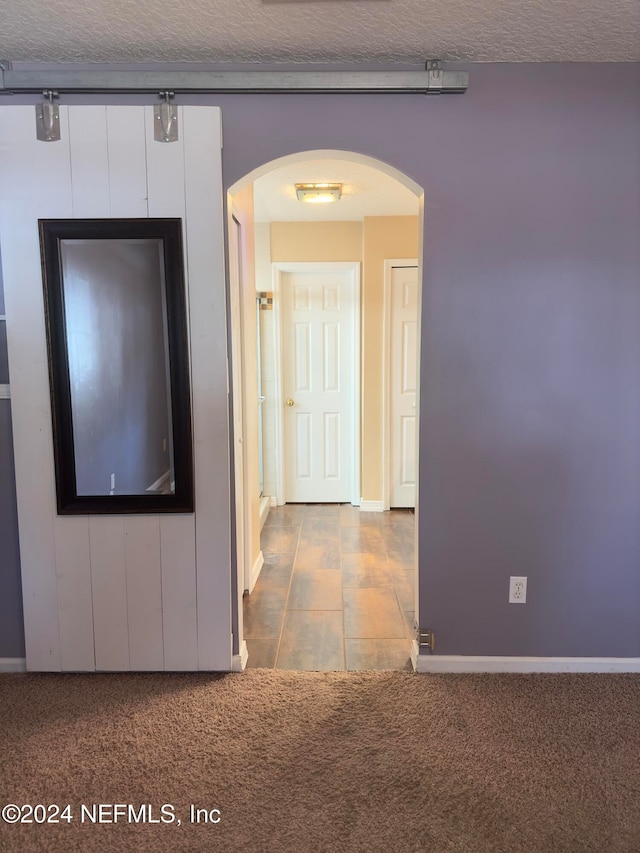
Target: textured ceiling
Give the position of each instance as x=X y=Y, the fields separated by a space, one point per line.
x=357 y=30
x=365 y=192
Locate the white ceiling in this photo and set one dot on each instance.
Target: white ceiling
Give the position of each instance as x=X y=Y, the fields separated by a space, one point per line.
x=352 y=30
x=365 y=192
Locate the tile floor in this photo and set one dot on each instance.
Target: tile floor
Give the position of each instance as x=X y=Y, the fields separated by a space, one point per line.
x=336 y=590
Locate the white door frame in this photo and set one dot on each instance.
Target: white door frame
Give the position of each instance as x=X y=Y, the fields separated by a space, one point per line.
x=278 y=268
x=235 y=226
x=389 y=265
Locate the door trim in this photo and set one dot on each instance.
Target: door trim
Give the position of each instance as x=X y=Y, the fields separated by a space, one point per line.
x=389 y=265
x=278 y=268
x=236 y=226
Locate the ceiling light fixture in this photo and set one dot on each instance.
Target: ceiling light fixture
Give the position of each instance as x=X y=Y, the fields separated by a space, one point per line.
x=318 y=193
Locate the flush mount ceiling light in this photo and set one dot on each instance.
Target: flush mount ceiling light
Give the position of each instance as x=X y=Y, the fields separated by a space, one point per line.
x=318 y=193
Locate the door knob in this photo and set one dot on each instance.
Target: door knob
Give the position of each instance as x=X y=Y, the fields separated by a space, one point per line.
x=289 y=401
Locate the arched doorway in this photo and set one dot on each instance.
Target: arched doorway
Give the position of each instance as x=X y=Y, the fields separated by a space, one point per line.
x=383 y=253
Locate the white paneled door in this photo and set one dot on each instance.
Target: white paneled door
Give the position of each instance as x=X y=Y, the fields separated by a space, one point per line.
x=146 y=592
x=320 y=388
x=404 y=317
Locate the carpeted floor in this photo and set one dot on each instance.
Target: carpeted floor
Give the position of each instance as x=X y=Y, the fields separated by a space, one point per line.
x=375 y=762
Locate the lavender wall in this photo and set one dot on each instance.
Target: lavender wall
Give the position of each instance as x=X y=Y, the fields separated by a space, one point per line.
x=530 y=394
x=530 y=399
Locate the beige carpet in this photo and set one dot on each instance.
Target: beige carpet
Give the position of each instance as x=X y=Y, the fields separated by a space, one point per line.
x=386 y=761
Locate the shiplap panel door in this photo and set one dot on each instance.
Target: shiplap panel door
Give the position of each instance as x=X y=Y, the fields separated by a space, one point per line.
x=148 y=592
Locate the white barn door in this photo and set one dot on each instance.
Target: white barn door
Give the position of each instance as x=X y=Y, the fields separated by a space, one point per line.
x=147 y=592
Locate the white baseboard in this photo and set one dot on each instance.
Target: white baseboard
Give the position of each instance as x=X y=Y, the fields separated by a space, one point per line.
x=414 y=654
x=265 y=503
x=13 y=664
x=255 y=571
x=371 y=506
x=477 y=663
x=273 y=501
x=239 y=662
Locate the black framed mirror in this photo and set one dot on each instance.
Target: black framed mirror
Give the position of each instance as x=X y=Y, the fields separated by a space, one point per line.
x=116 y=322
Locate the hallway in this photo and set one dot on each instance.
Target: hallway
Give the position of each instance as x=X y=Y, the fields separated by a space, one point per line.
x=336 y=590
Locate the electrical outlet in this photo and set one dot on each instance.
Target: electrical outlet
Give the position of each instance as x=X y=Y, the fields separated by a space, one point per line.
x=517 y=590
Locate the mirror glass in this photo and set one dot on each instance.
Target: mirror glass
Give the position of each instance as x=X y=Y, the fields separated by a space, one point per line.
x=116 y=327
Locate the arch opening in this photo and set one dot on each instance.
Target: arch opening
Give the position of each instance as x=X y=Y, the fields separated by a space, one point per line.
x=328 y=154
x=262 y=255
